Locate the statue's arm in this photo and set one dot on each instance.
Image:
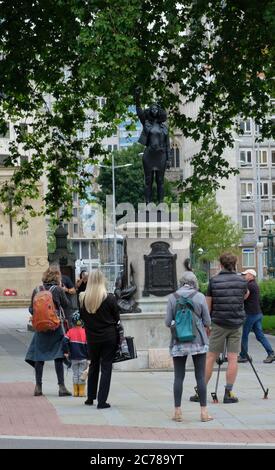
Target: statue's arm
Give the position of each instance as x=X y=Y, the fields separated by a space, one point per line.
x=139 y=110
x=168 y=152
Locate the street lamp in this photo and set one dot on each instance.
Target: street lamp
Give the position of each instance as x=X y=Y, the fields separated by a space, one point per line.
x=269 y=225
x=114 y=206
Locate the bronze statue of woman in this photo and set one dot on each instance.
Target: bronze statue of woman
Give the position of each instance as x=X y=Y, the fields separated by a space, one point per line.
x=155 y=137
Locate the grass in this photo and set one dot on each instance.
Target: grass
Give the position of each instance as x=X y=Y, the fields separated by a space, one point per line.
x=269 y=324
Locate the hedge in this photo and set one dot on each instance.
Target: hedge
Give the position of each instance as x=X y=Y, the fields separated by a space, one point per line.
x=267 y=295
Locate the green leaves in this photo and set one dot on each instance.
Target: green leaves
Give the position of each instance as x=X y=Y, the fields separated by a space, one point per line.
x=215 y=231
x=58 y=57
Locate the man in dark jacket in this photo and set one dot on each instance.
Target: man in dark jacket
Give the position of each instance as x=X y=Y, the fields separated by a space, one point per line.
x=225 y=300
x=253 y=320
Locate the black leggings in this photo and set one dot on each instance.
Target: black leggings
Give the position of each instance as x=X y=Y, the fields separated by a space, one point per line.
x=179 y=374
x=59 y=369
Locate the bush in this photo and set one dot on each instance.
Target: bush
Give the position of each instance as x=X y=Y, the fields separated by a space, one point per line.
x=269 y=324
x=267 y=296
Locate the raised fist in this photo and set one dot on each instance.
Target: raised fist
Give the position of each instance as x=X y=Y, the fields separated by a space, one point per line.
x=138 y=90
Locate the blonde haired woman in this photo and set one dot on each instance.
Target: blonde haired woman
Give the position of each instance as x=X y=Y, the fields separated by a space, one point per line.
x=100 y=314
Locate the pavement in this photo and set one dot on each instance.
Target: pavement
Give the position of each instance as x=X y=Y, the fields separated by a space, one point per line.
x=142 y=402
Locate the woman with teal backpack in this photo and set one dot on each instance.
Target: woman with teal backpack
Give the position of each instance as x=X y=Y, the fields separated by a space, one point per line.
x=189 y=320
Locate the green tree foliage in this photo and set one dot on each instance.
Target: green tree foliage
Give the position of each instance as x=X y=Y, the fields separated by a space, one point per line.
x=215 y=231
x=57 y=57
x=129 y=181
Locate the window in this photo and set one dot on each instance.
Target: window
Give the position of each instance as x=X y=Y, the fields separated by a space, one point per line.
x=246 y=126
x=112 y=148
x=23 y=159
x=246 y=190
x=264 y=217
x=264 y=190
x=246 y=157
x=65 y=227
x=23 y=128
x=273 y=190
x=75 y=197
x=75 y=228
x=172 y=153
x=248 y=222
x=264 y=258
x=263 y=157
x=3 y=158
x=75 y=211
x=76 y=249
x=273 y=157
x=175 y=157
x=5 y=132
x=248 y=258
x=85 y=250
x=101 y=102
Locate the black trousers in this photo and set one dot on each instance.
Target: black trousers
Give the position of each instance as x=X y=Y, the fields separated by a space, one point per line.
x=179 y=374
x=101 y=356
x=59 y=369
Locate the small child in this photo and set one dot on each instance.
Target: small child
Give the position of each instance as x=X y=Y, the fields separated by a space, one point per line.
x=75 y=346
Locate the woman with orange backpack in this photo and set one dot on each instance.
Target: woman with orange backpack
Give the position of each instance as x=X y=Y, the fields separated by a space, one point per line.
x=46 y=307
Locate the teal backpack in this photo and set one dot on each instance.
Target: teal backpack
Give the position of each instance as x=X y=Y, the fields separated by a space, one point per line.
x=185 y=322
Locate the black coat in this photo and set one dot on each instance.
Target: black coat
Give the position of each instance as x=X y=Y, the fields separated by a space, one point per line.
x=227 y=290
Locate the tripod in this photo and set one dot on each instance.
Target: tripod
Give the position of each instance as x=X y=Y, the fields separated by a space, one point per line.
x=221 y=359
x=265 y=397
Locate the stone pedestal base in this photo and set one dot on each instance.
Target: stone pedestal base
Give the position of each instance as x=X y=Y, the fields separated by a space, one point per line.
x=140 y=237
x=152 y=339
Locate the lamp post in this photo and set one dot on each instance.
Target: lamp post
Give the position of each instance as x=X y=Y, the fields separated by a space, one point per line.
x=269 y=224
x=114 y=167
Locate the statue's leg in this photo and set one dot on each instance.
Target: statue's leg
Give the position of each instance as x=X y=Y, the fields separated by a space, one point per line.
x=148 y=186
x=160 y=185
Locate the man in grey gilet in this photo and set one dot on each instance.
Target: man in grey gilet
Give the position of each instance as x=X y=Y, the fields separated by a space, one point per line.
x=225 y=299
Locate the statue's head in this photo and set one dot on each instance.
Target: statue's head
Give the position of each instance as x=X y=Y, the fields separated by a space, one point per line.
x=156 y=112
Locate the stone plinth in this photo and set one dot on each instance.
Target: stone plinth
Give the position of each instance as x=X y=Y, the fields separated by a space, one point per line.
x=23 y=254
x=140 y=237
x=151 y=335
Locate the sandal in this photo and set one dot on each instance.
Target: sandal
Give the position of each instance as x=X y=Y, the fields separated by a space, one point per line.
x=206 y=417
x=177 y=417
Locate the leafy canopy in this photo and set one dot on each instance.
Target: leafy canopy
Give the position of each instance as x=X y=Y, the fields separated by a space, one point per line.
x=215 y=231
x=57 y=57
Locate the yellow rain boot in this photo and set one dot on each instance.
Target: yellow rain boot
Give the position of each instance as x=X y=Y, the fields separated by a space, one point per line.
x=76 y=391
x=81 y=388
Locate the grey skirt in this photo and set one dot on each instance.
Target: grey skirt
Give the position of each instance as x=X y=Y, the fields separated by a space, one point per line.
x=46 y=346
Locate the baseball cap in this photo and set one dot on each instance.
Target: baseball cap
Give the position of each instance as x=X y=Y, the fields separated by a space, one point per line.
x=250 y=271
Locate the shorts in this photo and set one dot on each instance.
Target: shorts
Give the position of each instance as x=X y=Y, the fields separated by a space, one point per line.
x=221 y=336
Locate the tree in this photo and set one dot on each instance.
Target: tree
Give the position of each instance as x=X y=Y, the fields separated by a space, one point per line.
x=57 y=57
x=215 y=231
x=129 y=181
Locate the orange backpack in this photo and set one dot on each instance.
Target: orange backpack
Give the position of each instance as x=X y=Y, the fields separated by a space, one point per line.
x=44 y=316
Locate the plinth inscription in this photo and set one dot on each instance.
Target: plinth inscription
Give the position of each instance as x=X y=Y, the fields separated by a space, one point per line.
x=160 y=270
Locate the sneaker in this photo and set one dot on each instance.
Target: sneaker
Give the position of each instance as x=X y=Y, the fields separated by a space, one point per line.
x=270 y=358
x=102 y=406
x=242 y=359
x=89 y=401
x=229 y=397
x=195 y=398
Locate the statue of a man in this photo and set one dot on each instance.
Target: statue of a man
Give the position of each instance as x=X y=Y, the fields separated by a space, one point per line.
x=155 y=137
